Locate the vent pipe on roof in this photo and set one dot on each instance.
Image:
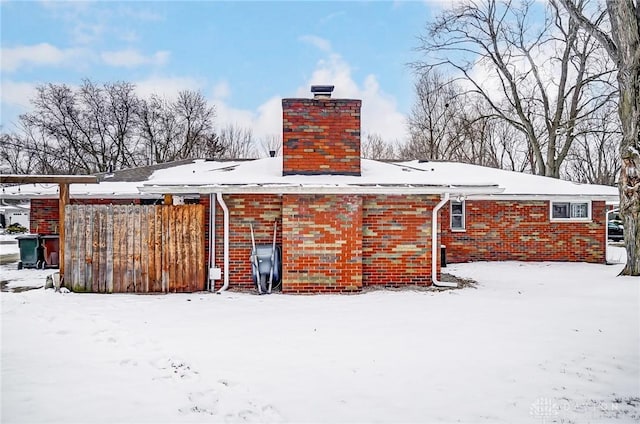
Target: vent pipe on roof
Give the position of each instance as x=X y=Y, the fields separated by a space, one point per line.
x=322 y=91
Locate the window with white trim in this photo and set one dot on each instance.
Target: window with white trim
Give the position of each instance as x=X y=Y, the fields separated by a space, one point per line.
x=457 y=215
x=571 y=210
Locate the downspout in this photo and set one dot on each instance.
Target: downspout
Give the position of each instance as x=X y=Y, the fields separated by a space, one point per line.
x=434 y=245
x=212 y=239
x=223 y=205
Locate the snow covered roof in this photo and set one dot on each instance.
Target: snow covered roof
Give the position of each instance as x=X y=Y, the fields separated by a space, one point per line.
x=265 y=176
x=24 y=207
x=104 y=189
x=519 y=184
x=121 y=184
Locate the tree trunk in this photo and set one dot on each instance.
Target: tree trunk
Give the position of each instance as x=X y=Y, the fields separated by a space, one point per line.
x=623 y=47
x=629 y=110
x=626 y=34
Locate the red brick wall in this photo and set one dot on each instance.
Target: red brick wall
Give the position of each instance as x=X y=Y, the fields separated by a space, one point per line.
x=397 y=240
x=261 y=210
x=321 y=136
x=522 y=231
x=44 y=218
x=322 y=243
x=44 y=214
x=340 y=243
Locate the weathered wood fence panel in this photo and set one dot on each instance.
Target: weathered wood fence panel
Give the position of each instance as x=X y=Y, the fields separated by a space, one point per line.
x=134 y=249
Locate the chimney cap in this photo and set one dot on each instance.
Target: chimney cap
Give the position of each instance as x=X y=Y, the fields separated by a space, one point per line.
x=322 y=90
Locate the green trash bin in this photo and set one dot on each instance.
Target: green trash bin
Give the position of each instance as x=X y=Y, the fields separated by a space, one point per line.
x=28 y=245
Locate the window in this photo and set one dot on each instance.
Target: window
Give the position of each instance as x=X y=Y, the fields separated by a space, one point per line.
x=571 y=210
x=457 y=215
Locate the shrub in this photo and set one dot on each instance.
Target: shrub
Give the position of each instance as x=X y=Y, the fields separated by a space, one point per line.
x=15 y=229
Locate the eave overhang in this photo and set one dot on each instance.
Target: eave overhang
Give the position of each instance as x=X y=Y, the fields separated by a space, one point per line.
x=320 y=189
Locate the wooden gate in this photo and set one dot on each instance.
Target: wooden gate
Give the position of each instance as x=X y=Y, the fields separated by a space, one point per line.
x=139 y=249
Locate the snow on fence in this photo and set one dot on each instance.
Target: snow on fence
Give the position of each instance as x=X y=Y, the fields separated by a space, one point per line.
x=133 y=248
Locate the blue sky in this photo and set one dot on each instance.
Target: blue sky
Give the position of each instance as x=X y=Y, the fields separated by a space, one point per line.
x=243 y=56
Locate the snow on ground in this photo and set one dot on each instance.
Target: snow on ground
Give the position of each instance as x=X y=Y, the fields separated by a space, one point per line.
x=9 y=251
x=8 y=241
x=533 y=342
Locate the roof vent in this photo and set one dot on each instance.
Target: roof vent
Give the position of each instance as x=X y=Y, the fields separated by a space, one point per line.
x=321 y=91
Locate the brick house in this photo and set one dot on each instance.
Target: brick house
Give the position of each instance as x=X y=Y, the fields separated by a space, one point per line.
x=344 y=222
x=534 y=219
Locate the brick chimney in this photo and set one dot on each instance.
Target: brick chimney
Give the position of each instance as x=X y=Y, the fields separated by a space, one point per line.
x=321 y=136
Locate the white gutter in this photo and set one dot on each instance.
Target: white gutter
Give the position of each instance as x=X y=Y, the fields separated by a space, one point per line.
x=434 y=245
x=223 y=205
x=82 y=195
x=212 y=239
x=318 y=189
x=544 y=197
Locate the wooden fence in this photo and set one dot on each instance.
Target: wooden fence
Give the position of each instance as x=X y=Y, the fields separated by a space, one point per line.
x=139 y=249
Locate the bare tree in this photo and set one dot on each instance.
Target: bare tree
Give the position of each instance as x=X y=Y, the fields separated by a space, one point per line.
x=446 y=123
x=157 y=128
x=432 y=118
x=594 y=156
x=195 y=120
x=96 y=128
x=209 y=146
x=82 y=131
x=623 y=46
x=238 y=142
x=178 y=130
x=51 y=129
x=375 y=147
x=490 y=142
x=105 y=120
x=16 y=157
x=271 y=143
x=535 y=76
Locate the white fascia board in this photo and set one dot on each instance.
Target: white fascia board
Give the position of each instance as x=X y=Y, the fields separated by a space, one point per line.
x=612 y=199
x=321 y=189
x=27 y=196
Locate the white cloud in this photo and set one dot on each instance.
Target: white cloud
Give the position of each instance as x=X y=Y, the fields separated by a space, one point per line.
x=141 y=14
x=85 y=33
x=131 y=58
x=266 y=120
x=332 y=16
x=168 y=87
x=45 y=54
x=129 y=36
x=379 y=110
x=16 y=98
x=221 y=90
x=41 y=54
x=269 y=118
x=443 y=3
x=88 y=22
x=318 y=42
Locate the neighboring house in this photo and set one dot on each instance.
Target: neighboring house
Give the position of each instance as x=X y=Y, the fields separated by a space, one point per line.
x=14 y=214
x=344 y=223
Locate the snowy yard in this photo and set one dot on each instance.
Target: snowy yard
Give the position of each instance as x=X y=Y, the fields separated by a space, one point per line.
x=539 y=343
